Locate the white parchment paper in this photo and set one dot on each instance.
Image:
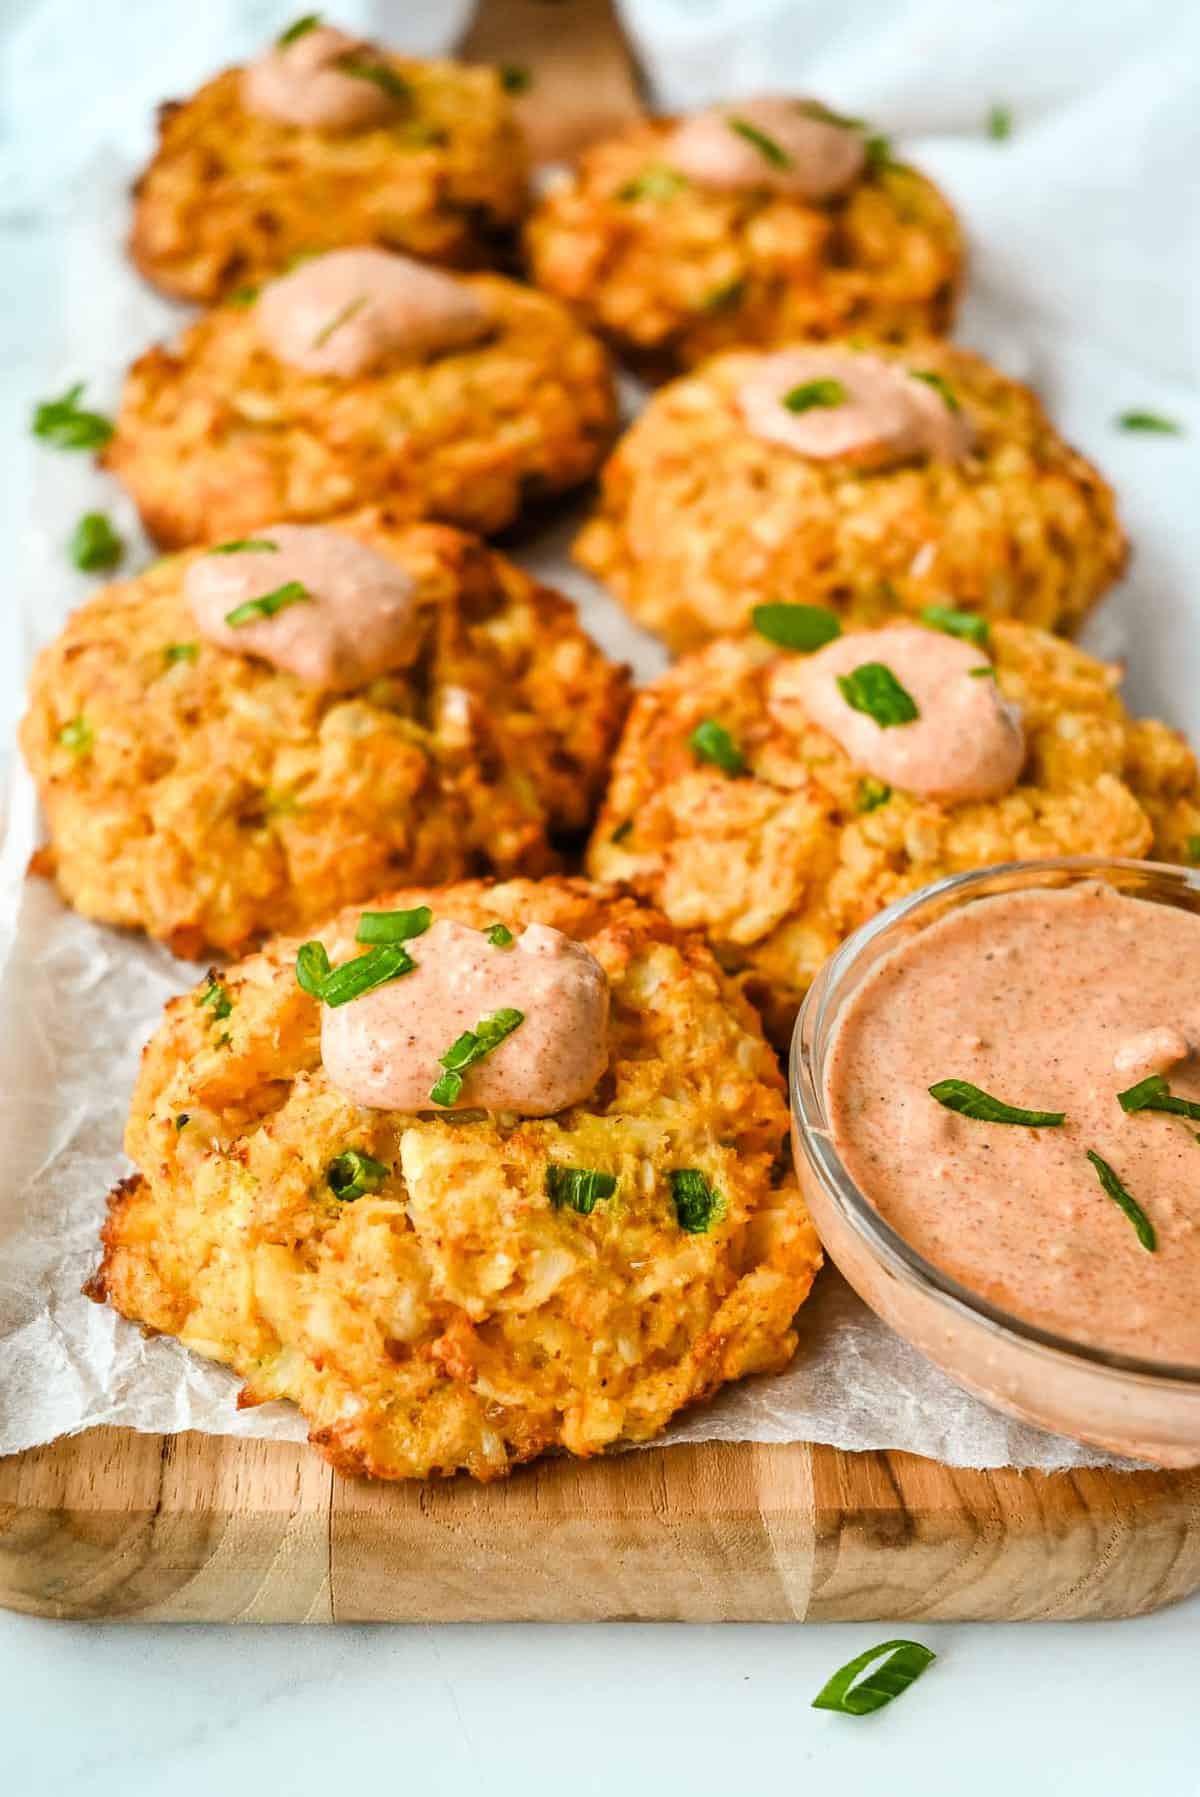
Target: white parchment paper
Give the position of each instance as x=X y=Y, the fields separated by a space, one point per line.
x=77 y=1001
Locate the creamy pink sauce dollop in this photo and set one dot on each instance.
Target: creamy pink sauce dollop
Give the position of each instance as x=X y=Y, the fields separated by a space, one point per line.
x=968 y=741
x=301 y=84
x=822 y=158
x=888 y=415
x=1032 y=996
x=359 y=621
x=346 y=312
x=382 y=1049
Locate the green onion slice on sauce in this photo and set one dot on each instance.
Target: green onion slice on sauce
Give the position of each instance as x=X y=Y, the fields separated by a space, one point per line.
x=900 y=1664
x=472 y=1046
x=969 y=1101
x=874 y=689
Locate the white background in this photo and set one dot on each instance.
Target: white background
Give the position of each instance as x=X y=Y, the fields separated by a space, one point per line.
x=1084 y=232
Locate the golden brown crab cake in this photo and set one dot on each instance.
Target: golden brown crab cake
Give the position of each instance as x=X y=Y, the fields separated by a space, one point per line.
x=446 y=1314
x=210 y=798
x=216 y=433
x=701 y=518
x=233 y=193
x=671 y=270
x=777 y=863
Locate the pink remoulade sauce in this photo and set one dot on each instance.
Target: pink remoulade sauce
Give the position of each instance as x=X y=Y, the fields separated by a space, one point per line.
x=815 y=158
x=967 y=741
x=359 y=620
x=382 y=1049
x=887 y=414
x=301 y=84
x=1034 y=996
x=344 y=313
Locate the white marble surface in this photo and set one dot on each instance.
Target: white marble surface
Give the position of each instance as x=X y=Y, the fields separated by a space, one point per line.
x=1110 y=1709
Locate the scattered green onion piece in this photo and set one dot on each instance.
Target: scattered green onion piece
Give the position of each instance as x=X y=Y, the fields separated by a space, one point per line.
x=710 y=741
x=872 y=793
x=242 y=297
x=622 y=831
x=377 y=967
x=350 y=310
x=940 y=384
x=292 y=592
x=766 y=146
x=656 y=182
x=515 y=79
x=965 y=624
x=77 y=735
x=1150 y=421
x=817 y=109
x=384 y=77
x=312 y=968
x=986 y=672
x=696 y=1202
x=879 y=153
x=470 y=1047
x=904 y=1663
x=1143 y=1227
x=999 y=123
x=180 y=652
x=95 y=545
x=299 y=28
x=811 y=394
x=724 y=297
x=1192 y=846
x=499 y=935
x=216 y=997
x=65 y=424
x=969 y=1101
x=182 y=1121
x=874 y=689
x=352 y=1173
x=1154 y=1094
x=393 y=926
x=246 y=546
x=578 y=1188
x=800 y=627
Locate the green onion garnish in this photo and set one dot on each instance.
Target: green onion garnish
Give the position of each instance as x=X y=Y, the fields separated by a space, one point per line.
x=904 y=1663
x=312 y=968
x=578 y=1188
x=77 y=736
x=515 y=79
x=879 y=153
x=242 y=297
x=999 y=123
x=940 y=385
x=376 y=968
x=94 y=544
x=710 y=741
x=961 y=1096
x=986 y=672
x=245 y=546
x=393 y=926
x=656 y=182
x=874 y=689
x=182 y=1121
x=724 y=297
x=292 y=592
x=811 y=394
x=499 y=935
x=1154 y=1094
x=696 y=1202
x=966 y=624
x=67 y=425
x=1133 y=1210
x=216 y=997
x=384 y=77
x=766 y=146
x=1150 y=421
x=802 y=627
x=180 y=652
x=817 y=109
x=352 y=1173
x=872 y=793
x=300 y=28
x=1192 y=848
x=348 y=311
x=471 y=1047
x=622 y=831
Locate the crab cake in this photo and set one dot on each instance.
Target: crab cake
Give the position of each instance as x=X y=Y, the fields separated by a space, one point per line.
x=357 y=378
x=739 y=813
x=468 y=1290
x=871 y=481
x=210 y=794
x=764 y=222
x=326 y=141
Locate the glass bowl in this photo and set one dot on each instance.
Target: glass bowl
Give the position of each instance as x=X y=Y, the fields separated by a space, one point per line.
x=1149 y=1410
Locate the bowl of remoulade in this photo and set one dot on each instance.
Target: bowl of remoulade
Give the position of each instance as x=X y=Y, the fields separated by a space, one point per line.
x=996 y=1105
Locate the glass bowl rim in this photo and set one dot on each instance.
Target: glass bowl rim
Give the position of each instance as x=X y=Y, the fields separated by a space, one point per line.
x=885 y=1244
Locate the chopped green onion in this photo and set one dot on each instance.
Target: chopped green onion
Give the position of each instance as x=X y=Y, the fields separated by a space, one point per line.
x=95 y=545
x=292 y=592
x=312 y=968
x=710 y=741
x=817 y=109
x=350 y=310
x=874 y=689
x=300 y=28
x=352 y=1173
x=904 y=1664
x=999 y=123
x=802 y=627
x=986 y=672
x=180 y=652
x=1150 y=421
x=656 y=182
x=514 y=79
x=499 y=935
x=872 y=793
x=77 y=736
x=879 y=153
x=67 y=425
x=940 y=384
x=242 y=296
x=1113 y=1188
x=811 y=394
x=216 y=996
x=966 y=624
x=766 y=146
x=384 y=77
x=969 y=1101
x=471 y=1047
x=696 y=1202
x=578 y=1188
x=724 y=297
x=622 y=831
x=1154 y=1094
x=182 y=1121
x=376 y=968
x=393 y=926
x=245 y=546
x=1192 y=848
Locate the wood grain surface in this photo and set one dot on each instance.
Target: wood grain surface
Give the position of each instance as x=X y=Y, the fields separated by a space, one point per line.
x=197 y=1528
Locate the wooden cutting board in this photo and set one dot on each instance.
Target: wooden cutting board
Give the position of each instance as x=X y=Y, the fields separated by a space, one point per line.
x=195 y=1528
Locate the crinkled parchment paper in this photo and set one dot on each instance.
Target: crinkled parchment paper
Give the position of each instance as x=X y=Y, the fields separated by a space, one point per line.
x=77 y=1001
